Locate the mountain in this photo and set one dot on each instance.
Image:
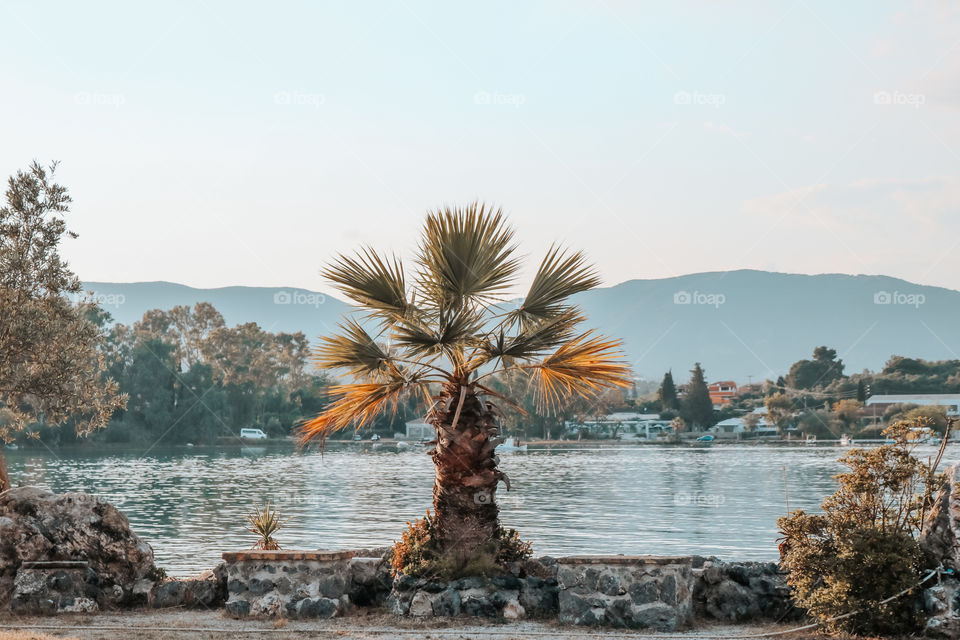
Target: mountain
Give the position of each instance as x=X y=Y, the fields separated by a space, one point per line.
x=739 y=325
x=275 y=309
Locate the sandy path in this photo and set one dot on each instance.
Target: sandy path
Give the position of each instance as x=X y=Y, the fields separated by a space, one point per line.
x=197 y=624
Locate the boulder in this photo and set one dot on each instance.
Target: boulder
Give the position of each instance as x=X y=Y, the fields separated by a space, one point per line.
x=40 y=526
x=940 y=539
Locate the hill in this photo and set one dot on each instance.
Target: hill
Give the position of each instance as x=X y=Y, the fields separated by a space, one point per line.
x=740 y=325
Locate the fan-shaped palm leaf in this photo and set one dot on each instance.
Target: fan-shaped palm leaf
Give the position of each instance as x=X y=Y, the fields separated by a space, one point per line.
x=465 y=255
x=583 y=366
x=356 y=405
x=372 y=281
x=560 y=276
x=355 y=350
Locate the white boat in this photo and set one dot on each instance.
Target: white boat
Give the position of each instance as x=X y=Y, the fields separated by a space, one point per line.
x=846 y=441
x=401 y=446
x=811 y=441
x=12 y=446
x=510 y=444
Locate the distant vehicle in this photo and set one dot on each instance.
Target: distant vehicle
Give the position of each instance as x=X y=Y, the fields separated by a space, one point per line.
x=357 y=438
x=375 y=437
x=252 y=434
x=707 y=438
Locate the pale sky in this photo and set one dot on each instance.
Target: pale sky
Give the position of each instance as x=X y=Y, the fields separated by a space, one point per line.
x=217 y=144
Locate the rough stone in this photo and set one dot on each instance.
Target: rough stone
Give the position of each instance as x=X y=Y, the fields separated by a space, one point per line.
x=940 y=539
x=628 y=591
x=39 y=526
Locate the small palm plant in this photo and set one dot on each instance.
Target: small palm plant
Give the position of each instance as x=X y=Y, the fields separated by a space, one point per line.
x=264 y=523
x=441 y=333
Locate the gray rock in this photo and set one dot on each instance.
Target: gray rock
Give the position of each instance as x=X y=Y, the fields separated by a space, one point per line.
x=237 y=608
x=259 y=587
x=167 y=594
x=421 y=606
x=38 y=526
x=940 y=539
x=476 y=602
x=447 y=603
x=317 y=608
x=732 y=601
x=655 y=615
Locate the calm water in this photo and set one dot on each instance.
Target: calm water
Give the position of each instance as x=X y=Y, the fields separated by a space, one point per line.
x=190 y=504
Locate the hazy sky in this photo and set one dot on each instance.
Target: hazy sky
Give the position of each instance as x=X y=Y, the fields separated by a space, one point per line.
x=225 y=143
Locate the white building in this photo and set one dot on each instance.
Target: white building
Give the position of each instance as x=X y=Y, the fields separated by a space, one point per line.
x=950 y=401
x=625 y=424
x=420 y=430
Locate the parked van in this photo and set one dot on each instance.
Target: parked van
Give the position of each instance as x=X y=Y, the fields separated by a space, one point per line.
x=252 y=434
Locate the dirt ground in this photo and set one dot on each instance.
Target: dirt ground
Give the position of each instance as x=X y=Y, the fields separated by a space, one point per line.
x=176 y=624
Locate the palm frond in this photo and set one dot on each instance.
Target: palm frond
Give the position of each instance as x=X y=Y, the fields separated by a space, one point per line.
x=372 y=281
x=442 y=333
x=583 y=367
x=355 y=405
x=561 y=275
x=534 y=340
x=466 y=255
x=355 y=350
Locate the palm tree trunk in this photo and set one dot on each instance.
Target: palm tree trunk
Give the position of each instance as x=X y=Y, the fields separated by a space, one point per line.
x=4 y=476
x=464 y=491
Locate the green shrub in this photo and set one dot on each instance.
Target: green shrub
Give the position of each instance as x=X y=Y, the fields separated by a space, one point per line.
x=863 y=548
x=416 y=555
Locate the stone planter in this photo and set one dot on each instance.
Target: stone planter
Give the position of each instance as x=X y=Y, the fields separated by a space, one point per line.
x=626 y=591
x=300 y=584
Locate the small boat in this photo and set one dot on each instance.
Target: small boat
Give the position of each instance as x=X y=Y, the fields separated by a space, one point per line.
x=402 y=446
x=811 y=441
x=12 y=446
x=510 y=444
x=846 y=441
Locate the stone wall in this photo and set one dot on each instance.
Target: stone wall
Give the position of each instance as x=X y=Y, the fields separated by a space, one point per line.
x=310 y=584
x=626 y=591
x=741 y=591
x=508 y=596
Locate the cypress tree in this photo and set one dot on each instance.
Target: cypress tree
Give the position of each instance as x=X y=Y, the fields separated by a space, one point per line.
x=697 y=407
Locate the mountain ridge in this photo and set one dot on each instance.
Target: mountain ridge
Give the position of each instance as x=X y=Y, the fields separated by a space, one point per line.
x=743 y=324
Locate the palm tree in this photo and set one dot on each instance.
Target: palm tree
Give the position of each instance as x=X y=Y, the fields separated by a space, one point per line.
x=440 y=333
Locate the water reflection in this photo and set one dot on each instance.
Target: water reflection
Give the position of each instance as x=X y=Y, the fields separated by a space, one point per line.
x=190 y=504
